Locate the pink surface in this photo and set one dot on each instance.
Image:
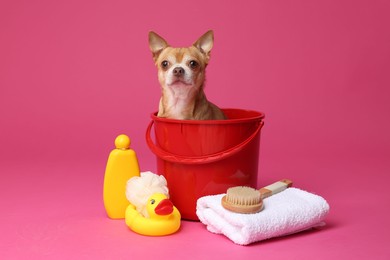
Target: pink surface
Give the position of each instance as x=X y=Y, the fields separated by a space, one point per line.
x=74 y=74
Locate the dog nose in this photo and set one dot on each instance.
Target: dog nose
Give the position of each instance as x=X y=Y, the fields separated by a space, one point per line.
x=178 y=71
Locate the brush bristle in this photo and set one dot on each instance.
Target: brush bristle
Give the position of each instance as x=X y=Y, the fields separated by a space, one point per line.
x=244 y=196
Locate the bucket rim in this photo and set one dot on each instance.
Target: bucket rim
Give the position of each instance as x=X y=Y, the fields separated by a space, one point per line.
x=256 y=116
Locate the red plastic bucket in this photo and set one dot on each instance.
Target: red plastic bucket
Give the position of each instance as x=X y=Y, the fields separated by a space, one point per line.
x=206 y=157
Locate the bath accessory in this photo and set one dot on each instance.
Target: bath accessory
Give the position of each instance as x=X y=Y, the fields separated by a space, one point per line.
x=164 y=218
x=150 y=211
x=140 y=188
x=247 y=200
x=122 y=164
x=205 y=157
x=290 y=211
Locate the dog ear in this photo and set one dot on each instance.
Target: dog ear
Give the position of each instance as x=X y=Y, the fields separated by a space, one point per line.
x=205 y=43
x=156 y=44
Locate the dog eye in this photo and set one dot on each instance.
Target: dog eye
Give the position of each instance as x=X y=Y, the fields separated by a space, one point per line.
x=193 y=64
x=164 y=64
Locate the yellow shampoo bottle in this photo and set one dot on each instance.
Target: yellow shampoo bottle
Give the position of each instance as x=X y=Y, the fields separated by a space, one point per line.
x=122 y=165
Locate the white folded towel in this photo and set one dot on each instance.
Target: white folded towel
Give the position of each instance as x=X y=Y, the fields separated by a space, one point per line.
x=290 y=211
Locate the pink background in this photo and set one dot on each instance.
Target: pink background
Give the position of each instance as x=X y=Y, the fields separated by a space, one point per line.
x=75 y=74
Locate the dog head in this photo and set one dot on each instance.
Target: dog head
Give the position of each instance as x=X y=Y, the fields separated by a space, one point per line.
x=181 y=70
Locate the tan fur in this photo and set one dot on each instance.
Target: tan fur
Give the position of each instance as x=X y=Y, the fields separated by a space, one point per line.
x=182 y=82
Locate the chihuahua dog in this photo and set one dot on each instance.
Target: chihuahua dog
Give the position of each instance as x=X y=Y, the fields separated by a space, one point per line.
x=181 y=73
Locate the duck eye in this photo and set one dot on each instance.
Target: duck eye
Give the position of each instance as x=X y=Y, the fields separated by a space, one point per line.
x=164 y=64
x=193 y=64
x=152 y=201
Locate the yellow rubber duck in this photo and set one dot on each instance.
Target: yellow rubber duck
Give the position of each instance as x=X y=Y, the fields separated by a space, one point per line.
x=164 y=218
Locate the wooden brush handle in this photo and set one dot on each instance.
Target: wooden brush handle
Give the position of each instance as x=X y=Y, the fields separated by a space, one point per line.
x=275 y=188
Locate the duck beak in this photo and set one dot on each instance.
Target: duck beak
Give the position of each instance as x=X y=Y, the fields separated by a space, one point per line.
x=165 y=207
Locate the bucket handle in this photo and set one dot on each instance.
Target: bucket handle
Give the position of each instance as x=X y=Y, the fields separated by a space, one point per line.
x=167 y=156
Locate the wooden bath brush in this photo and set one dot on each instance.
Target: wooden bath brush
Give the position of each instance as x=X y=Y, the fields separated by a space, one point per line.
x=247 y=200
